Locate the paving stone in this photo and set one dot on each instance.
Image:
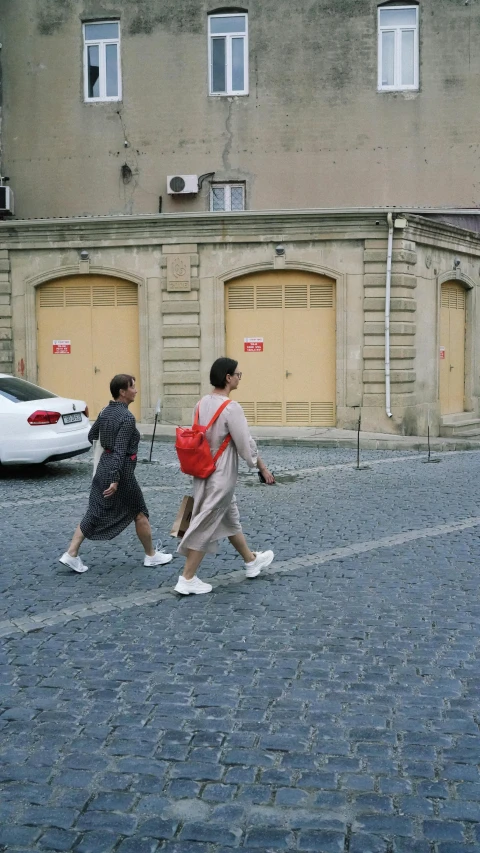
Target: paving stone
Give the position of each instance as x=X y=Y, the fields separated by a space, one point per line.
x=269 y=839
x=58 y=839
x=100 y=841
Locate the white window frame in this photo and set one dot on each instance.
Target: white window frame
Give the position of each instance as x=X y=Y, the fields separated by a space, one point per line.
x=228 y=196
x=228 y=55
x=397 y=73
x=101 y=43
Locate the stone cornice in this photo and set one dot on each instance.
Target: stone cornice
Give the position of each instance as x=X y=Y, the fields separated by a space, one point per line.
x=155 y=230
x=248 y=226
x=420 y=229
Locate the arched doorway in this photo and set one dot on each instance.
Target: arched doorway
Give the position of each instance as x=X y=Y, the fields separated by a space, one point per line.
x=289 y=370
x=452 y=348
x=97 y=319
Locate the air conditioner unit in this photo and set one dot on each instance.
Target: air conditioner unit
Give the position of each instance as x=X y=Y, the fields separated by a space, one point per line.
x=6 y=201
x=181 y=184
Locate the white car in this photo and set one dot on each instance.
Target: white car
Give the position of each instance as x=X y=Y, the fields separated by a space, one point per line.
x=38 y=426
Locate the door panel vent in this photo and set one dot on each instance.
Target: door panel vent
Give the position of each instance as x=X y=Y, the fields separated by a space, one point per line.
x=242 y=296
x=52 y=297
x=127 y=295
x=269 y=414
x=298 y=413
x=104 y=296
x=249 y=409
x=296 y=296
x=453 y=296
x=321 y=295
x=75 y=296
x=323 y=414
x=269 y=296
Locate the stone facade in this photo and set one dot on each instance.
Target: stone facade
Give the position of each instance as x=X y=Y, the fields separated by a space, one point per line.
x=182 y=265
x=322 y=154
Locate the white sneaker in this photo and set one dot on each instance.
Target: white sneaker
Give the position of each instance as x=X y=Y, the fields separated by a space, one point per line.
x=159 y=558
x=195 y=586
x=261 y=561
x=75 y=563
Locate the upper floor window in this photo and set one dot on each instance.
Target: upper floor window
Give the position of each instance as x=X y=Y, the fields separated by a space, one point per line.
x=227 y=197
x=397 y=48
x=102 y=61
x=228 y=54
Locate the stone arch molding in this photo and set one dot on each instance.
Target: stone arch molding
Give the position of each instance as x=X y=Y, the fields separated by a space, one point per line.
x=269 y=266
x=64 y=272
x=456 y=275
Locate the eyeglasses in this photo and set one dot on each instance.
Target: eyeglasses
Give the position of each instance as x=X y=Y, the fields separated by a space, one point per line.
x=238 y=374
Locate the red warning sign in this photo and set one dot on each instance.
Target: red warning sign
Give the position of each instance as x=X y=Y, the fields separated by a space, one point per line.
x=442 y=352
x=253 y=344
x=62 y=347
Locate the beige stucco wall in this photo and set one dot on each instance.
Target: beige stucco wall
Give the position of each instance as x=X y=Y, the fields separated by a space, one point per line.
x=313 y=132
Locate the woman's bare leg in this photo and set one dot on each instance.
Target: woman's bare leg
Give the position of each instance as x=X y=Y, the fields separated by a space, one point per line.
x=144 y=533
x=240 y=544
x=194 y=558
x=77 y=540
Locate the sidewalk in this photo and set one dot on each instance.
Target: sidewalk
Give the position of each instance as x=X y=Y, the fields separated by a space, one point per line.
x=330 y=437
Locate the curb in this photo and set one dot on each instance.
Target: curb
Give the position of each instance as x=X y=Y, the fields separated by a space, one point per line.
x=393 y=443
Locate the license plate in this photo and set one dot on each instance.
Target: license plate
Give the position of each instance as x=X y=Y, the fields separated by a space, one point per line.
x=74 y=418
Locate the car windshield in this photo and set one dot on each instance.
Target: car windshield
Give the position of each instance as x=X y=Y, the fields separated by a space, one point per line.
x=19 y=391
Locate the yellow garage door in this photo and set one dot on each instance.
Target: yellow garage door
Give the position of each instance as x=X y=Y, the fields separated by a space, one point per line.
x=280 y=326
x=452 y=349
x=87 y=332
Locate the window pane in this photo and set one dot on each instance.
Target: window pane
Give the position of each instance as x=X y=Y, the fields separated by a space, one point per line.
x=408 y=62
x=218 y=198
x=238 y=69
x=218 y=65
x=93 y=71
x=235 y=24
x=237 y=202
x=19 y=391
x=101 y=31
x=388 y=58
x=112 y=70
x=398 y=17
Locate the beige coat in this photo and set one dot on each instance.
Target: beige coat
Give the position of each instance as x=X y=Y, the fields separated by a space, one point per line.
x=215 y=511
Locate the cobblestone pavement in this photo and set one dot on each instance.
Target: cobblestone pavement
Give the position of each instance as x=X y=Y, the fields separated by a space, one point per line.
x=331 y=705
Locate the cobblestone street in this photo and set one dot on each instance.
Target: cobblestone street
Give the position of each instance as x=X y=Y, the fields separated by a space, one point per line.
x=331 y=705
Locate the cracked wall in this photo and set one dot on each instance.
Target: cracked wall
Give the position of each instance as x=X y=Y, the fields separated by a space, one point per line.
x=313 y=132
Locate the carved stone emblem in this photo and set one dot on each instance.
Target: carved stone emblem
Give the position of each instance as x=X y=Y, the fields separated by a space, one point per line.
x=178 y=272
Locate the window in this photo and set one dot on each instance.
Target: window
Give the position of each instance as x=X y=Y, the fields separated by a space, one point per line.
x=102 y=61
x=227 y=197
x=228 y=54
x=397 y=48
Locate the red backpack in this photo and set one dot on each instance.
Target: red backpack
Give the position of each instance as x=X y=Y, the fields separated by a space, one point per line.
x=193 y=449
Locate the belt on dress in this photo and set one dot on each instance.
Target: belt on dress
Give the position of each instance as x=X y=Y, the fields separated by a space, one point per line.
x=132 y=456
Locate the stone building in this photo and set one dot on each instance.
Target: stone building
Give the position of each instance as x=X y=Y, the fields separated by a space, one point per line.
x=293 y=184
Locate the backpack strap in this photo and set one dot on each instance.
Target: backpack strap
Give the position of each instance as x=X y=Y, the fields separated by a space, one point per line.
x=226 y=441
x=216 y=415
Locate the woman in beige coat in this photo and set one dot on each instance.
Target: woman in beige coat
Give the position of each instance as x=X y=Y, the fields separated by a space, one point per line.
x=215 y=512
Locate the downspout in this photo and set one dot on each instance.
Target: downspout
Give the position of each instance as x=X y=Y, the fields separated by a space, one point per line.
x=388 y=286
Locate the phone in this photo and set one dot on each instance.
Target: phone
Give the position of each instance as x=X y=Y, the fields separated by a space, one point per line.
x=262 y=478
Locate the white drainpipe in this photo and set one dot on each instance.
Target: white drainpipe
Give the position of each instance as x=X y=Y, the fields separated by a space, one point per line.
x=388 y=285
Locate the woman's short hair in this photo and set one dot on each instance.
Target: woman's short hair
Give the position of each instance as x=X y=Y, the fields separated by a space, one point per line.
x=120 y=382
x=220 y=369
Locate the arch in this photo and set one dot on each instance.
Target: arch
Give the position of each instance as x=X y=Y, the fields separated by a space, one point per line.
x=218 y=339
x=85 y=268
x=458 y=276
x=268 y=266
x=228 y=10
